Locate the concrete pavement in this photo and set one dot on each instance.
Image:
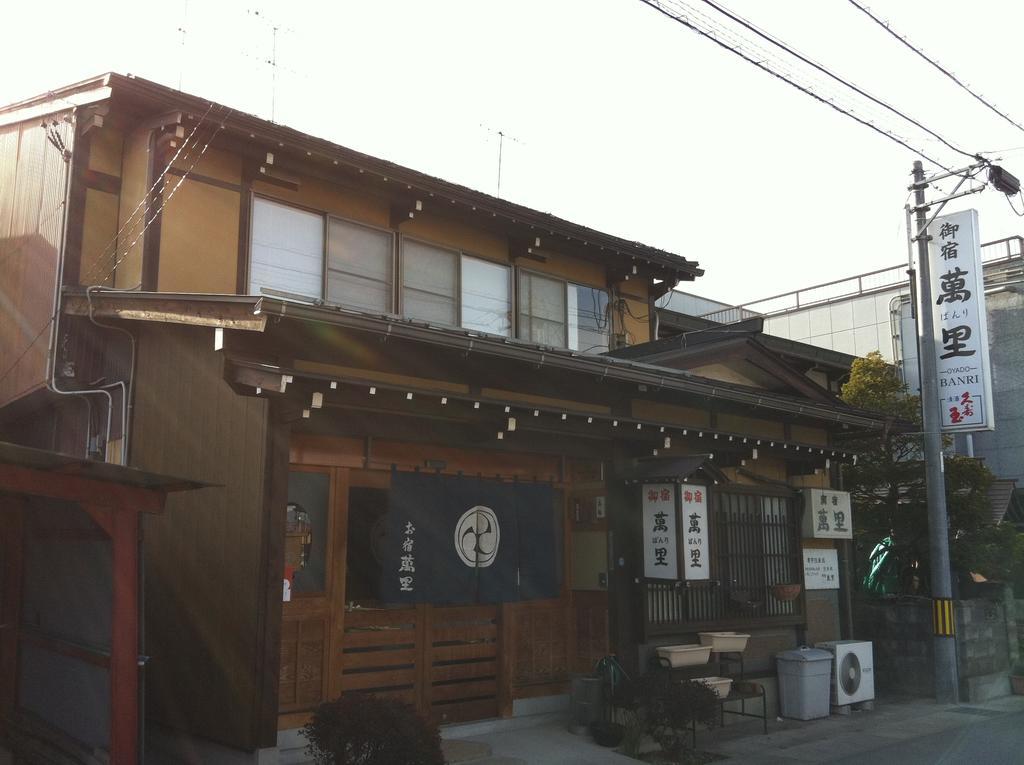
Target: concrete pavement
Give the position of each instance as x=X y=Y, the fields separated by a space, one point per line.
x=907 y=731
x=904 y=731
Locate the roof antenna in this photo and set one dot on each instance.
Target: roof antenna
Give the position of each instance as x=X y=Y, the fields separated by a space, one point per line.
x=183 y=30
x=502 y=136
x=272 y=61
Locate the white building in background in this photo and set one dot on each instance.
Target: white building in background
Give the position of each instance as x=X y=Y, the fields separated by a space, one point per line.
x=872 y=311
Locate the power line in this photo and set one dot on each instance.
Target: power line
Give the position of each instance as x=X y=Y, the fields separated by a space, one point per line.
x=885 y=25
x=657 y=5
x=170 y=196
x=131 y=221
x=829 y=73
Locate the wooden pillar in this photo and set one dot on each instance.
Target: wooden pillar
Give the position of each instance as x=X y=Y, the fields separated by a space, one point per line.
x=124 y=642
x=12 y=546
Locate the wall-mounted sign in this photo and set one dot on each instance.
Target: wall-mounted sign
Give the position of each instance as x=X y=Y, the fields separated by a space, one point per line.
x=659 y=540
x=827 y=514
x=961 y=329
x=821 y=569
x=696 y=553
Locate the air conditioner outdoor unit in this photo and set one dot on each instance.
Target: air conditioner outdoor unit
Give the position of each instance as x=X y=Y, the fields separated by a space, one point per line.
x=853 y=674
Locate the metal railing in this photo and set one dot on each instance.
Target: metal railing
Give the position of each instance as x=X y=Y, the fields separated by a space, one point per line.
x=1000 y=250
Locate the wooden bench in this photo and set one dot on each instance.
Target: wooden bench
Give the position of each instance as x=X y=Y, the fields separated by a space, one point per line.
x=741 y=690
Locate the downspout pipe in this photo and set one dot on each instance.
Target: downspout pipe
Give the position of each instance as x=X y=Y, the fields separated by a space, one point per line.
x=51 y=352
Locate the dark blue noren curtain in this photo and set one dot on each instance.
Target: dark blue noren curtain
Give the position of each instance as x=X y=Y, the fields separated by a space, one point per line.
x=454 y=539
x=540 y=523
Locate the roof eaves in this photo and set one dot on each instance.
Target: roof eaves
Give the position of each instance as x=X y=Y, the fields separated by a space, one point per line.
x=281 y=135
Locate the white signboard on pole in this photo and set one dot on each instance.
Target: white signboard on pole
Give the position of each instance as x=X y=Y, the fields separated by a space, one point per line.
x=821 y=569
x=827 y=514
x=696 y=556
x=659 y=519
x=961 y=331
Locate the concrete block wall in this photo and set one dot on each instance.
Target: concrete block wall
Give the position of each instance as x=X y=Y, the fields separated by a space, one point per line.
x=901 y=631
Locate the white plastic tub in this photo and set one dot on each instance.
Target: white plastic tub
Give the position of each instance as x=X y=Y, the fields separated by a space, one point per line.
x=720 y=685
x=685 y=655
x=724 y=641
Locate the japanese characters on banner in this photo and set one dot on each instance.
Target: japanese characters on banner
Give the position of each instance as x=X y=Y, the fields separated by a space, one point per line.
x=821 y=569
x=696 y=556
x=961 y=332
x=659 y=519
x=827 y=514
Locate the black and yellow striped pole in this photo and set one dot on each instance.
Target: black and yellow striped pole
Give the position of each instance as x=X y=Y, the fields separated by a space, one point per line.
x=942 y=617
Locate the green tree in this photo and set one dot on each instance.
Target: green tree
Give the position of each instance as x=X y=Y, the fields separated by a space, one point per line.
x=887 y=487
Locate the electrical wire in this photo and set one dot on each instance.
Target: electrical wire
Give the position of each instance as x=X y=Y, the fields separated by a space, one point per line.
x=166 y=199
x=144 y=201
x=885 y=25
x=679 y=18
x=810 y=79
x=829 y=73
x=1009 y=201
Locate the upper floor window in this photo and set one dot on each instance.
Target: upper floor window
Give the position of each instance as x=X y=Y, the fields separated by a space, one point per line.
x=563 y=314
x=449 y=287
x=287 y=250
x=360 y=266
x=288 y=246
x=309 y=255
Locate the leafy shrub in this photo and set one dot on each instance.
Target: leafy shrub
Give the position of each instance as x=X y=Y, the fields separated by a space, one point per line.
x=362 y=729
x=664 y=709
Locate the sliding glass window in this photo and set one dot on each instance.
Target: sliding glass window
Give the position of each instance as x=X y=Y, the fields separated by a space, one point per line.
x=360 y=266
x=287 y=251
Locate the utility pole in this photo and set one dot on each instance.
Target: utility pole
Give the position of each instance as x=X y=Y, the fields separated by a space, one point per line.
x=947 y=681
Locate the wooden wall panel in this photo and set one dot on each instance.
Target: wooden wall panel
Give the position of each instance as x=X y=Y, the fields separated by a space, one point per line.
x=541 y=642
x=199 y=240
x=134 y=185
x=99 y=242
x=591 y=616
x=203 y=579
x=32 y=175
x=105 y=150
x=318 y=195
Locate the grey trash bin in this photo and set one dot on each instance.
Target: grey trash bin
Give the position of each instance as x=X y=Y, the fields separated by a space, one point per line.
x=585 y=702
x=805 y=676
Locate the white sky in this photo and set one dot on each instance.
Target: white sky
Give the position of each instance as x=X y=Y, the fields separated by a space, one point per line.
x=625 y=120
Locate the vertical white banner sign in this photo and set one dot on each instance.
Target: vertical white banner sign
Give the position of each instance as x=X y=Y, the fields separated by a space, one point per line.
x=961 y=330
x=659 y=519
x=696 y=553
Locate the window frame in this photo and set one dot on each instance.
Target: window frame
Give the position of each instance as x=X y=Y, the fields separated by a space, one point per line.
x=395 y=264
x=566 y=283
x=460 y=255
x=326 y=216
x=249 y=239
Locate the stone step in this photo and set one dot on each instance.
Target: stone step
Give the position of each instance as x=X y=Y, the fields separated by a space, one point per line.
x=461 y=751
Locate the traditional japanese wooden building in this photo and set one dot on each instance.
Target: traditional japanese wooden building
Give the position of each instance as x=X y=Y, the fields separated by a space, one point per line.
x=428 y=413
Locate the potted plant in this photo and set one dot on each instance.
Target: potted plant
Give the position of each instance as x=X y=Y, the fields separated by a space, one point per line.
x=1017 y=679
x=787 y=592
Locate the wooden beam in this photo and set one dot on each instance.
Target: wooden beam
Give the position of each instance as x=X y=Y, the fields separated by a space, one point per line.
x=230 y=315
x=94 y=179
x=269 y=610
x=124 y=642
x=11 y=554
x=73 y=488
